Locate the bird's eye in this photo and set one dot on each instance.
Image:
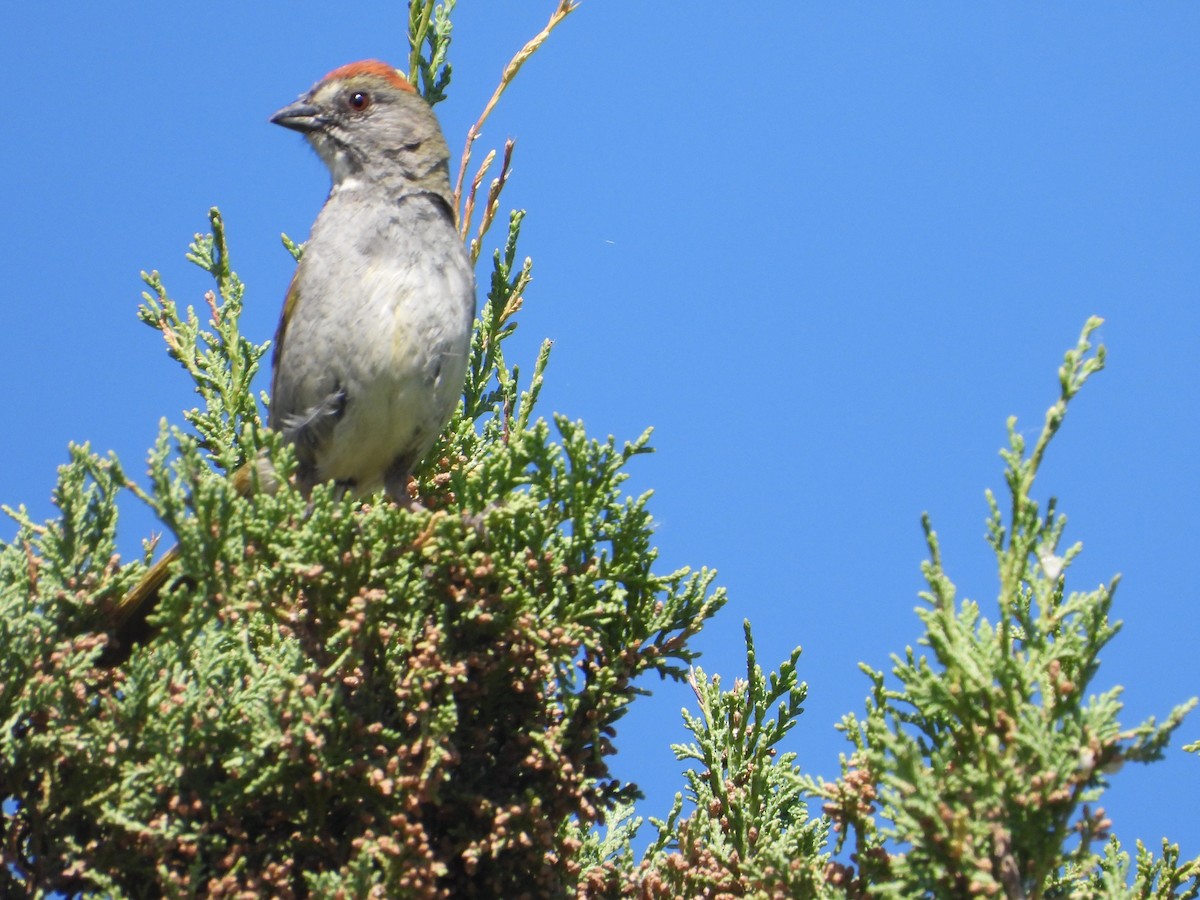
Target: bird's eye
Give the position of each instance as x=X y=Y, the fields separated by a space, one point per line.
x=358 y=101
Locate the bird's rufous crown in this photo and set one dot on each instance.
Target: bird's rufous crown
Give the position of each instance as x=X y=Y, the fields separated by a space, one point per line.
x=372 y=67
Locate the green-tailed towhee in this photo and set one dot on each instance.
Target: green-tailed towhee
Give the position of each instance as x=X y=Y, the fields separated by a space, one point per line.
x=372 y=346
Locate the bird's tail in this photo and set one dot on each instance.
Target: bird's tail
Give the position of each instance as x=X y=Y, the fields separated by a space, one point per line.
x=126 y=621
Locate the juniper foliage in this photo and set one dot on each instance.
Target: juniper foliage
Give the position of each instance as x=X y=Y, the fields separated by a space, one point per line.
x=350 y=699
x=976 y=769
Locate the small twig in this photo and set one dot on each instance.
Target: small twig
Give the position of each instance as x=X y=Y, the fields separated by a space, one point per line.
x=32 y=562
x=172 y=340
x=427 y=532
x=464 y=221
x=493 y=199
x=211 y=299
x=565 y=7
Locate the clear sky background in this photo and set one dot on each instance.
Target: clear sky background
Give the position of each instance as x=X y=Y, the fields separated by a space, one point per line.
x=825 y=249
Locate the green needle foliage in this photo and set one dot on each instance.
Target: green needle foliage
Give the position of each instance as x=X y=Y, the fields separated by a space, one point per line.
x=349 y=699
x=977 y=767
x=748 y=833
x=429 y=28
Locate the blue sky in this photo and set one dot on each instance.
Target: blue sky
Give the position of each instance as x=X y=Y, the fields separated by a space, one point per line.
x=825 y=250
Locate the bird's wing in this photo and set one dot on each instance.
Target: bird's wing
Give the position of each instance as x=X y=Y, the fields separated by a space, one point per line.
x=291 y=300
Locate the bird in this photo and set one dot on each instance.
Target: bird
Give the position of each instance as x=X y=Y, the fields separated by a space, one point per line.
x=372 y=346
x=371 y=350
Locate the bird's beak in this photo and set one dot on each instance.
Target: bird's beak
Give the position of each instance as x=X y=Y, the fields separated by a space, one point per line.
x=300 y=116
